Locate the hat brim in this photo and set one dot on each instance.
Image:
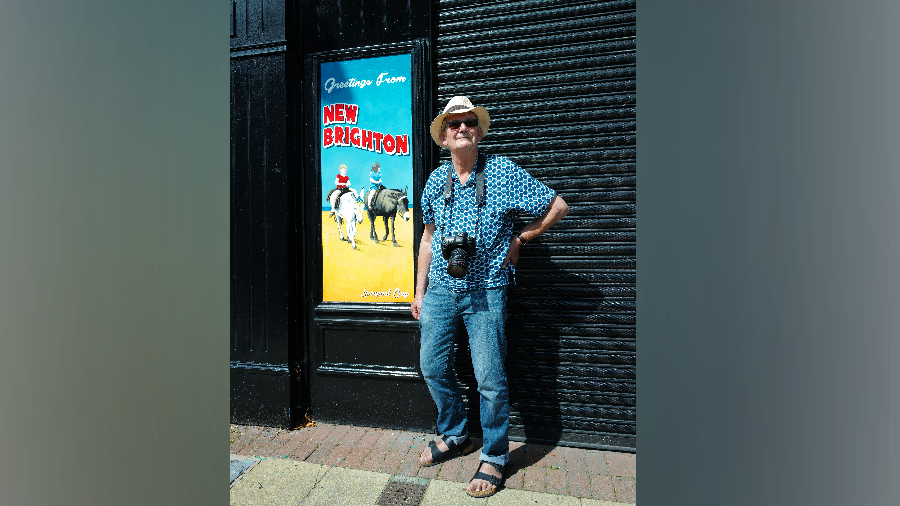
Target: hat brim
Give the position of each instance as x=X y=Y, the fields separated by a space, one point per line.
x=484 y=121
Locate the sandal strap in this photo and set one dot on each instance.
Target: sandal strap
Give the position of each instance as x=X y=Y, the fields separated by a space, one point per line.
x=435 y=451
x=493 y=480
x=438 y=456
x=449 y=442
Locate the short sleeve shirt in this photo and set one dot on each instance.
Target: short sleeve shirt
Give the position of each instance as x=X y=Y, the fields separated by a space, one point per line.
x=374 y=179
x=342 y=181
x=509 y=191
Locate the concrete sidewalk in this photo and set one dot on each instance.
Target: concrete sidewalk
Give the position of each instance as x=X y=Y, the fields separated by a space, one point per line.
x=348 y=466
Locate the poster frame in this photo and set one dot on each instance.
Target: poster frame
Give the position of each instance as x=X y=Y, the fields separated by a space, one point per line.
x=419 y=151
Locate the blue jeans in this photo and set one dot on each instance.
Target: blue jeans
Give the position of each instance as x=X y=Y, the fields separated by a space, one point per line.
x=484 y=314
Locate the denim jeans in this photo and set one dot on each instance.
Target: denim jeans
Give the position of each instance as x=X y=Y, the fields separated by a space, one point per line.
x=484 y=314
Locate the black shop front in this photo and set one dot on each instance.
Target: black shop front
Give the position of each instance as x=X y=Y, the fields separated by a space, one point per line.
x=320 y=325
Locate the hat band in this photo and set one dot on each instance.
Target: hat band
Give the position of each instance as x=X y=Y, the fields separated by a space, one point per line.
x=456 y=108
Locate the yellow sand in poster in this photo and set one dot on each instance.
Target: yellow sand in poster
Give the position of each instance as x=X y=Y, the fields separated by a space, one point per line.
x=373 y=272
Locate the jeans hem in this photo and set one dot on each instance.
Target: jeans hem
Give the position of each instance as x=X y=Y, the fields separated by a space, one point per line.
x=501 y=460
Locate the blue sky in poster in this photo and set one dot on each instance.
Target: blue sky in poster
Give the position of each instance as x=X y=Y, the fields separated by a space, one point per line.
x=384 y=107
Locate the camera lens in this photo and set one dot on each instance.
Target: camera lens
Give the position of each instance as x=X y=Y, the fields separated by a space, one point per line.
x=456 y=264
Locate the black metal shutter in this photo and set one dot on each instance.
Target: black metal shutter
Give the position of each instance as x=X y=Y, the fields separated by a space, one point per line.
x=558 y=78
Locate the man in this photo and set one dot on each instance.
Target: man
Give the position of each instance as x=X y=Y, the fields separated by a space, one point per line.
x=478 y=298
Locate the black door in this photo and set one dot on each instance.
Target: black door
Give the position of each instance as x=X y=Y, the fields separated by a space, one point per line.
x=362 y=365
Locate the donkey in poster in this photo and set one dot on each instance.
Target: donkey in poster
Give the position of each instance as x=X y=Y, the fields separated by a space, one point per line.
x=350 y=209
x=388 y=203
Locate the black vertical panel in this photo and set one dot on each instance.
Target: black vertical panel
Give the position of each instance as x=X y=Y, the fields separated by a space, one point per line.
x=329 y=25
x=239 y=11
x=263 y=223
x=257 y=338
x=255 y=25
x=261 y=213
x=274 y=19
x=399 y=17
x=240 y=216
x=296 y=191
x=344 y=24
x=266 y=349
x=373 y=19
x=233 y=23
x=352 y=23
x=558 y=78
x=277 y=214
x=257 y=22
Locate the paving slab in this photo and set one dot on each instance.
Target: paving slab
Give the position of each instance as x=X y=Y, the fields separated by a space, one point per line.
x=621 y=464
x=602 y=488
x=276 y=482
x=599 y=502
x=239 y=465
x=347 y=487
x=626 y=490
x=450 y=493
x=513 y=497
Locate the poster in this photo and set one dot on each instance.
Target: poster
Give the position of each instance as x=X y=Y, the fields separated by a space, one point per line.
x=366 y=119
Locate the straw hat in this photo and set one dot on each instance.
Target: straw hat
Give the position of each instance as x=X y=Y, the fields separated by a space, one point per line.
x=457 y=105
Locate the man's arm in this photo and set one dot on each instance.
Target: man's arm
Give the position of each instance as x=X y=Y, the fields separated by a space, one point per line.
x=555 y=212
x=422 y=271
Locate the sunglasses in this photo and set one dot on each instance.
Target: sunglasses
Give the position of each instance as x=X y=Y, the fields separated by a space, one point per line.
x=469 y=122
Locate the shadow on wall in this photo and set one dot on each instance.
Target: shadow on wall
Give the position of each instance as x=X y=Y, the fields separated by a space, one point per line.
x=570 y=357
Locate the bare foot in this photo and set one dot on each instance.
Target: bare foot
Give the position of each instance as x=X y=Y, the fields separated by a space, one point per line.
x=481 y=485
x=426 y=458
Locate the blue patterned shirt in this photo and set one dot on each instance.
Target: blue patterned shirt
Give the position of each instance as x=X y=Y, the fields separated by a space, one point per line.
x=509 y=191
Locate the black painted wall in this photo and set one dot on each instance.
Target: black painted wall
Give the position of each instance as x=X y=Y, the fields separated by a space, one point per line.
x=344 y=24
x=276 y=332
x=266 y=387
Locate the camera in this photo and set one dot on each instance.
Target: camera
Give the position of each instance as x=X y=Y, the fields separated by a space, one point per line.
x=456 y=250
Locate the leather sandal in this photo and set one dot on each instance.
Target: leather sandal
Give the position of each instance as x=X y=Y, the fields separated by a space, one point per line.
x=493 y=480
x=453 y=450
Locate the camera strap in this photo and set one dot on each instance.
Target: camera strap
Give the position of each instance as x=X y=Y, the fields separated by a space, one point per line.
x=479 y=192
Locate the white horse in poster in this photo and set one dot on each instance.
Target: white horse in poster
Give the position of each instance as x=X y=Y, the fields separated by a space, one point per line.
x=350 y=209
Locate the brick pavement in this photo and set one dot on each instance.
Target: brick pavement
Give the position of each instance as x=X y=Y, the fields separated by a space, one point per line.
x=594 y=474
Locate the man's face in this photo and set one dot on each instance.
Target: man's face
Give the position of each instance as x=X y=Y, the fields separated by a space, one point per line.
x=462 y=136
